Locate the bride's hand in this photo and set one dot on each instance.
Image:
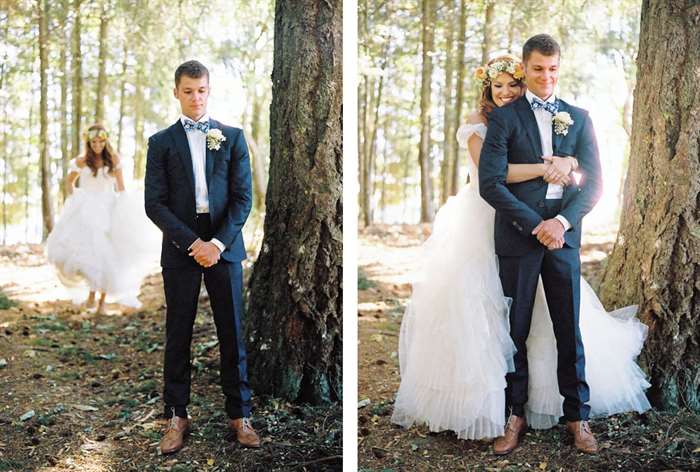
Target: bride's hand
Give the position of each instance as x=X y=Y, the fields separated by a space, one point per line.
x=558 y=169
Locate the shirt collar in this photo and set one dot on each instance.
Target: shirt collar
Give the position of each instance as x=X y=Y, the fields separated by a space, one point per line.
x=531 y=96
x=203 y=119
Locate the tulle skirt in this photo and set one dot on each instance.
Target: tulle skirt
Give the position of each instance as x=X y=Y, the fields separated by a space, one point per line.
x=455 y=348
x=105 y=241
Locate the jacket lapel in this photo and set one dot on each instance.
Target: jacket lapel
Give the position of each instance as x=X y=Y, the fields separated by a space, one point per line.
x=558 y=138
x=209 y=165
x=528 y=120
x=183 y=151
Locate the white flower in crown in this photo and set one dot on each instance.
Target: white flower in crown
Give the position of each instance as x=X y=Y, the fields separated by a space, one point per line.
x=214 y=139
x=562 y=121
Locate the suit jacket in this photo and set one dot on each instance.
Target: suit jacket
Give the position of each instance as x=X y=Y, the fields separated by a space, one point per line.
x=513 y=137
x=170 y=197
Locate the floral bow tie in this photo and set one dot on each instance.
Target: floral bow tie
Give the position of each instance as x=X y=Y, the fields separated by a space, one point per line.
x=191 y=125
x=553 y=108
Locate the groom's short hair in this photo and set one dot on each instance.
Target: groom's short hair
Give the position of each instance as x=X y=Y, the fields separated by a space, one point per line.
x=543 y=43
x=194 y=69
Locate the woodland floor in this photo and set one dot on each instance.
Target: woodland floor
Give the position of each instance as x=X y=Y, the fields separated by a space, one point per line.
x=82 y=392
x=653 y=441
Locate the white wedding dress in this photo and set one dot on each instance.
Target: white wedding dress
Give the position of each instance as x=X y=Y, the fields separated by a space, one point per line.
x=455 y=348
x=103 y=239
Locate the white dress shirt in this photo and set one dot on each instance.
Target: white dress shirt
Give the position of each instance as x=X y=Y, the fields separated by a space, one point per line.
x=544 y=124
x=198 y=151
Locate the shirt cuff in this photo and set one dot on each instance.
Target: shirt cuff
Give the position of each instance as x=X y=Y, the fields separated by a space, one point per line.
x=221 y=246
x=564 y=221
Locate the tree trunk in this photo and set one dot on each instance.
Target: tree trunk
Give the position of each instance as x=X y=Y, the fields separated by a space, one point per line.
x=6 y=158
x=46 y=209
x=102 y=66
x=258 y=160
x=363 y=97
x=487 y=44
x=448 y=121
x=65 y=154
x=139 y=148
x=515 y=8
x=77 y=72
x=656 y=259
x=365 y=164
x=426 y=187
x=295 y=322
x=459 y=99
x=371 y=149
x=122 y=98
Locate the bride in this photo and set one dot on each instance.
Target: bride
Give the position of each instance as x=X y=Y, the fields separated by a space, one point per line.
x=454 y=345
x=103 y=238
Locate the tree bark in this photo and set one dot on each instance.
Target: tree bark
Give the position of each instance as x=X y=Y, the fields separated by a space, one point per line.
x=77 y=72
x=448 y=121
x=6 y=157
x=258 y=160
x=371 y=149
x=122 y=97
x=363 y=98
x=102 y=65
x=46 y=207
x=459 y=98
x=295 y=322
x=487 y=44
x=139 y=148
x=65 y=154
x=656 y=259
x=427 y=40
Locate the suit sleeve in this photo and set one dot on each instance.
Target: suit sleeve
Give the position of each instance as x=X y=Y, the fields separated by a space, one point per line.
x=156 y=200
x=493 y=168
x=240 y=190
x=591 y=185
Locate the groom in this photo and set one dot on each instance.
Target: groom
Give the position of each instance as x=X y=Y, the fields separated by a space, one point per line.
x=198 y=192
x=538 y=231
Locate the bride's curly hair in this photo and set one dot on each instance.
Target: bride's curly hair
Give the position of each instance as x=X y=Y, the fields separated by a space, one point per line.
x=109 y=155
x=486 y=103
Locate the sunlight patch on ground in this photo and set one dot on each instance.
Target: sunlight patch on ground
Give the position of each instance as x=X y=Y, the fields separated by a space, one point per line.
x=92 y=456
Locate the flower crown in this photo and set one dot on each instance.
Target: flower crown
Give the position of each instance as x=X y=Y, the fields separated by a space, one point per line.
x=96 y=133
x=485 y=74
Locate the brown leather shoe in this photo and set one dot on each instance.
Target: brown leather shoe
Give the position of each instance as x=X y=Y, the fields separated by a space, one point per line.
x=245 y=434
x=515 y=429
x=174 y=437
x=583 y=436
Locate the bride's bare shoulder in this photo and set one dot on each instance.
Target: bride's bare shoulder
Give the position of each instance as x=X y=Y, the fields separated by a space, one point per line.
x=80 y=161
x=475 y=118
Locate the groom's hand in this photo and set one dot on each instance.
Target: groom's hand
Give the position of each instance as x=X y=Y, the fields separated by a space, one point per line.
x=550 y=233
x=205 y=253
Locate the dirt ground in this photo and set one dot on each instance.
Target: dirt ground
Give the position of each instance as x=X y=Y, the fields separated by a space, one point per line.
x=654 y=441
x=82 y=392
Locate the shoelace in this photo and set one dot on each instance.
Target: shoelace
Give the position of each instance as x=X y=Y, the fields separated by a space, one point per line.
x=583 y=426
x=511 y=420
x=173 y=421
x=246 y=423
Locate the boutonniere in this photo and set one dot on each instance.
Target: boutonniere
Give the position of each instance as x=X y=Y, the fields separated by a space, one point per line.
x=214 y=139
x=562 y=121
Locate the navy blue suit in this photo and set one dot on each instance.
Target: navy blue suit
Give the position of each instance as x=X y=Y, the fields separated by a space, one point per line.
x=513 y=138
x=170 y=203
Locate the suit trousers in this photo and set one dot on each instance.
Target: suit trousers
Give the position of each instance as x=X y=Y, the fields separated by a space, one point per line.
x=561 y=276
x=224 y=283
